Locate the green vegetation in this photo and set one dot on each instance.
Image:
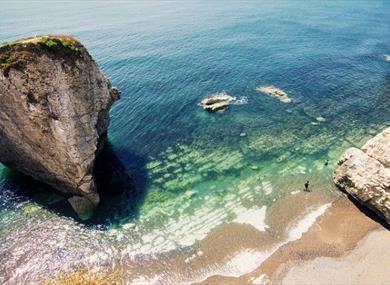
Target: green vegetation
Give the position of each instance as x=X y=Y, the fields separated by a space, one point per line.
x=49 y=43
x=70 y=45
x=8 y=60
x=57 y=42
x=18 y=53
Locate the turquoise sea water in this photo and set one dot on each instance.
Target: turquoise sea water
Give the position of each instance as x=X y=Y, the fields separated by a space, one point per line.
x=183 y=171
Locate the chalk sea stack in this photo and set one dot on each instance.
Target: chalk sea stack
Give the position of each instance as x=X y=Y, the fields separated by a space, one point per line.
x=54 y=114
x=365 y=174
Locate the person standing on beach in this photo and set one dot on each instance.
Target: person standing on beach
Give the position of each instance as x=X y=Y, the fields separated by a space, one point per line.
x=307 y=186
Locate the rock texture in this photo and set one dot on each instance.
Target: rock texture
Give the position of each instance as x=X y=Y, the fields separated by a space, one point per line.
x=275 y=92
x=365 y=173
x=217 y=102
x=54 y=114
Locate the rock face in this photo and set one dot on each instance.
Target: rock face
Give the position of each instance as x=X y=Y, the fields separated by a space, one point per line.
x=217 y=102
x=54 y=114
x=365 y=174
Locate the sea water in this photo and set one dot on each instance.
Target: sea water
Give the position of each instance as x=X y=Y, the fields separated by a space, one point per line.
x=176 y=172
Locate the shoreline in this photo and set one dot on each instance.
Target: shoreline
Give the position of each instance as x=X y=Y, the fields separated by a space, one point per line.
x=340 y=232
x=331 y=230
x=365 y=264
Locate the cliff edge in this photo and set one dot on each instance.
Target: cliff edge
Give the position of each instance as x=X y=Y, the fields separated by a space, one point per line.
x=365 y=174
x=54 y=114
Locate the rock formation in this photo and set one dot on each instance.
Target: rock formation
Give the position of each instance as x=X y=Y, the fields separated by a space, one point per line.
x=365 y=174
x=217 y=102
x=54 y=114
x=275 y=92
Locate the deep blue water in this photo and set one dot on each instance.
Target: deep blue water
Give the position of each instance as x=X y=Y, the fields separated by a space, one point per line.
x=165 y=56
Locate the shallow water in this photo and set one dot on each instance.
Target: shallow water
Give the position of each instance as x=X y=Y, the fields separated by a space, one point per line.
x=181 y=171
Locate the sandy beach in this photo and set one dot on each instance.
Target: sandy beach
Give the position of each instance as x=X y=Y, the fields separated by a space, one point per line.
x=366 y=264
x=319 y=237
x=344 y=246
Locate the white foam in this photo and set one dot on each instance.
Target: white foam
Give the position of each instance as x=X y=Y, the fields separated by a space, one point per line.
x=192 y=257
x=267 y=186
x=301 y=169
x=248 y=260
x=261 y=280
x=240 y=101
x=254 y=216
x=303 y=225
x=142 y=280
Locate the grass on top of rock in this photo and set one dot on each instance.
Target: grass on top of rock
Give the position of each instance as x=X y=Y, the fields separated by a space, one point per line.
x=6 y=62
x=9 y=60
x=57 y=42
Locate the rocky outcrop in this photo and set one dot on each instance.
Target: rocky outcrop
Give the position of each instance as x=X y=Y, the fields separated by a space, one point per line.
x=365 y=174
x=274 y=92
x=54 y=114
x=217 y=102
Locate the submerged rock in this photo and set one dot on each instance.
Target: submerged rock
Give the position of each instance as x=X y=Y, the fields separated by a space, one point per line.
x=54 y=114
x=276 y=92
x=365 y=174
x=129 y=226
x=217 y=102
x=82 y=206
x=190 y=194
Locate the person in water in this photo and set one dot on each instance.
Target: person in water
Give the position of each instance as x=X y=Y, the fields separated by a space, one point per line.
x=307 y=186
x=327 y=162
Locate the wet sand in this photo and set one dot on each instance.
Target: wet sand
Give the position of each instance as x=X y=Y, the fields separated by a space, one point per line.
x=367 y=264
x=335 y=242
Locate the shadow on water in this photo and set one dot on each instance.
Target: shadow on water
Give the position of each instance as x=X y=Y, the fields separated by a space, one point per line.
x=122 y=190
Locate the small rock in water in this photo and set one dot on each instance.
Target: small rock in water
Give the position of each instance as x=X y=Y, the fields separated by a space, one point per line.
x=82 y=206
x=217 y=102
x=112 y=231
x=276 y=92
x=243 y=135
x=30 y=208
x=190 y=193
x=320 y=119
x=254 y=167
x=387 y=58
x=128 y=226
